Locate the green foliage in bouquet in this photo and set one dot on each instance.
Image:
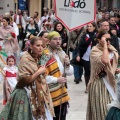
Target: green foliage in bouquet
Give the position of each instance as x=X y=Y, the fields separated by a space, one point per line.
x=44 y=59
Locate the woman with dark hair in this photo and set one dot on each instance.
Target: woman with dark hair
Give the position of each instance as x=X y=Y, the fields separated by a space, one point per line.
x=58 y=27
x=87 y=41
x=31 y=28
x=8 y=38
x=31 y=99
x=43 y=35
x=102 y=84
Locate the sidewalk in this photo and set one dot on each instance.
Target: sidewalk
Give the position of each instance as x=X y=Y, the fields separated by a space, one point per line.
x=78 y=102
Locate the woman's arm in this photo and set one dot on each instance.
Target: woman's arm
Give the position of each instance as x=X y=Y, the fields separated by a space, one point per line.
x=105 y=55
x=41 y=70
x=25 y=79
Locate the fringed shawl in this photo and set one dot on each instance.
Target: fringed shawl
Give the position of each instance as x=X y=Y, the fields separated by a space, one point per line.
x=97 y=66
x=39 y=91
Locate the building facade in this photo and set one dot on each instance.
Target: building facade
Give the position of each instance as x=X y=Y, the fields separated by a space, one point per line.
x=108 y=4
x=6 y=6
x=38 y=5
x=30 y=5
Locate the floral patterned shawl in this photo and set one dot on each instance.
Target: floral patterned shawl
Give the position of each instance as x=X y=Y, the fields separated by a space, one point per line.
x=39 y=91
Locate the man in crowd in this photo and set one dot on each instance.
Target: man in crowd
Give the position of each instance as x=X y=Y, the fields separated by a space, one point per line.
x=56 y=68
x=19 y=20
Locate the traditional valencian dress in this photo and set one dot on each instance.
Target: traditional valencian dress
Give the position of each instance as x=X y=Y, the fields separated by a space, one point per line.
x=10 y=46
x=102 y=83
x=10 y=81
x=31 y=99
x=114 y=107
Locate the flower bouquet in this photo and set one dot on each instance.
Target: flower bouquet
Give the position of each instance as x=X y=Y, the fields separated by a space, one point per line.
x=44 y=58
x=10 y=36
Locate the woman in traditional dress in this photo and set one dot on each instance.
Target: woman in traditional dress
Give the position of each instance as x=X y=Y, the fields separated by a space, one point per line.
x=31 y=99
x=32 y=28
x=8 y=38
x=12 y=23
x=10 y=77
x=102 y=84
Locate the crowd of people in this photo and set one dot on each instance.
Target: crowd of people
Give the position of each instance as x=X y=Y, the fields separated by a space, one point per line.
x=34 y=76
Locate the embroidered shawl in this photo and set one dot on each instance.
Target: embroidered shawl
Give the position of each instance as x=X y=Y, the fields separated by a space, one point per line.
x=97 y=66
x=39 y=91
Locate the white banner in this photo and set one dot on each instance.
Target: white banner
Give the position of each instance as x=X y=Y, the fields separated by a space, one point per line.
x=75 y=13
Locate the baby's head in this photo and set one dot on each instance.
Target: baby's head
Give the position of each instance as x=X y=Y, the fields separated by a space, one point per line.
x=11 y=60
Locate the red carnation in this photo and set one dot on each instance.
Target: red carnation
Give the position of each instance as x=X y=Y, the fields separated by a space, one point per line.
x=0 y=47
x=13 y=34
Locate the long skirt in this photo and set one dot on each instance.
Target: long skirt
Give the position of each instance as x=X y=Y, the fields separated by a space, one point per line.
x=98 y=98
x=17 y=107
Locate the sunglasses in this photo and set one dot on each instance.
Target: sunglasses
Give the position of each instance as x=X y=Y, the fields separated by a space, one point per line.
x=108 y=39
x=57 y=38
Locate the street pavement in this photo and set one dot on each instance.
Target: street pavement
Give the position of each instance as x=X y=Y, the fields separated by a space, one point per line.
x=78 y=101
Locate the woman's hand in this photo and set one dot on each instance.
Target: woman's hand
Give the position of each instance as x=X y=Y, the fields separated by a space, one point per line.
x=10 y=38
x=64 y=45
x=78 y=58
x=61 y=80
x=103 y=42
x=67 y=60
x=41 y=70
x=117 y=71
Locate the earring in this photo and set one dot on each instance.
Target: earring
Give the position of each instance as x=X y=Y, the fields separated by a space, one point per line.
x=31 y=51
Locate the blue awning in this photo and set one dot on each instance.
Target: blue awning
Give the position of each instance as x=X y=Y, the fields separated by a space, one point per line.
x=22 y=4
